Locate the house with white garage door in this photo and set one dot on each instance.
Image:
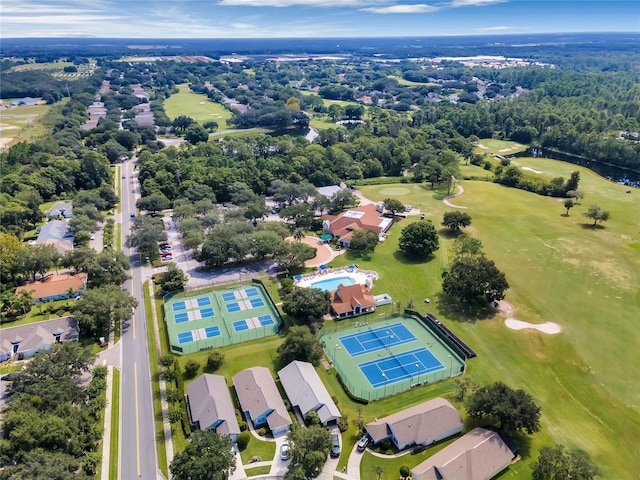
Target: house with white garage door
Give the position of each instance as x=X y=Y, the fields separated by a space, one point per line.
x=307 y=393
x=210 y=406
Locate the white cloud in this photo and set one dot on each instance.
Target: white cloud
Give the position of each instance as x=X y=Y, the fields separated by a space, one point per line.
x=302 y=3
x=242 y=25
x=501 y=28
x=61 y=19
x=477 y=3
x=415 y=8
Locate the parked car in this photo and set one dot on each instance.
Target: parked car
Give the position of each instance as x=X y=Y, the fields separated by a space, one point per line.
x=362 y=444
x=132 y=214
x=335 y=445
x=284 y=451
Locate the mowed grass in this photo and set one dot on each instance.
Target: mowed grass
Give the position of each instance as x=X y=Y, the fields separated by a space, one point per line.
x=196 y=106
x=561 y=270
x=409 y=83
x=499 y=147
x=20 y=123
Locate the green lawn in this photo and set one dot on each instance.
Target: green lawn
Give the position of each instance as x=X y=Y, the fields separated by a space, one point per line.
x=258 y=448
x=40 y=312
x=562 y=270
x=22 y=123
x=115 y=423
x=499 y=147
x=196 y=106
x=409 y=83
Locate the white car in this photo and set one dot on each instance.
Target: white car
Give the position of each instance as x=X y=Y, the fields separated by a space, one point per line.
x=92 y=237
x=284 y=451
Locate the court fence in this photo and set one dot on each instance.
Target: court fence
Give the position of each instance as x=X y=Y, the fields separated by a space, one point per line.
x=444 y=334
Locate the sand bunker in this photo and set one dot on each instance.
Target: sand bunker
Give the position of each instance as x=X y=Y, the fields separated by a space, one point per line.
x=482 y=146
x=528 y=169
x=547 y=327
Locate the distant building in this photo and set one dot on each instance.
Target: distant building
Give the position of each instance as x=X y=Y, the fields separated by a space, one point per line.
x=210 y=406
x=329 y=191
x=260 y=400
x=24 y=101
x=34 y=337
x=351 y=301
x=367 y=217
x=56 y=287
x=479 y=455
x=423 y=424
x=307 y=393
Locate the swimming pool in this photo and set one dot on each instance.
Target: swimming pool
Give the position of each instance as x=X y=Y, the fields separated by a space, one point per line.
x=332 y=283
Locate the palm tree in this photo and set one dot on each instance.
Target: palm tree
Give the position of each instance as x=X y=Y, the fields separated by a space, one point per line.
x=24 y=301
x=298 y=234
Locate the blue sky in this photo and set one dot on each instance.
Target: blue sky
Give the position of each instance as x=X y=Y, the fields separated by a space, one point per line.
x=310 y=18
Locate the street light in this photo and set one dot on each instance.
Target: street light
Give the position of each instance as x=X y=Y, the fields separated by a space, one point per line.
x=334 y=352
x=418 y=372
x=450 y=365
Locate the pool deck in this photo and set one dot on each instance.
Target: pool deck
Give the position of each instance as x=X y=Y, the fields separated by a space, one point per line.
x=362 y=277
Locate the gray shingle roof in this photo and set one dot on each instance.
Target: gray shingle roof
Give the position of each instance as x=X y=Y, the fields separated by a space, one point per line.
x=306 y=391
x=479 y=455
x=54 y=230
x=258 y=393
x=210 y=401
x=33 y=335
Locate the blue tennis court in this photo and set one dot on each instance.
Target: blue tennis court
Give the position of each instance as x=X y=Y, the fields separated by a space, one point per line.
x=206 y=313
x=396 y=368
x=185 y=337
x=233 y=307
x=240 y=325
x=265 y=320
x=257 y=302
x=204 y=301
x=179 y=306
x=212 y=331
x=227 y=297
x=376 y=339
x=181 y=317
x=251 y=292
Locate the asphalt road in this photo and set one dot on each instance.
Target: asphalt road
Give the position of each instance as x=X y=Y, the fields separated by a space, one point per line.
x=138 y=458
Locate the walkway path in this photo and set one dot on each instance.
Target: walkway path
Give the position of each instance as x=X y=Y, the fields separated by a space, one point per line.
x=445 y=200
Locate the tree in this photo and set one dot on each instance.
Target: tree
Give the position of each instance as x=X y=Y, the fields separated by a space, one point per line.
x=99 y=308
x=467 y=246
x=10 y=252
x=42 y=465
x=393 y=205
x=243 y=440
x=513 y=409
x=309 y=450
x=214 y=360
x=568 y=204
x=153 y=203
x=298 y=234
x=341 y=200
x=572 y=183
x=191 y=368
x=363 y=241
x=474 y=280
x=196 y=133
x=456 y=220
x=419 y=239
x=301 y=214
x=299 y=344
x=596 y=214
x=556 y=463
x=208 y=457
x=305 y=303
x=210 y=125
x=39 y=259
x=181 y=123
x=107 y=267
x=146 y=232
x=293 y=255
x=173 y=279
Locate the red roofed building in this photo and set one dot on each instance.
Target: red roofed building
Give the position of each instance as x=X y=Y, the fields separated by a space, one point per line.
x=368 y=217
x=351 y=301
x=56 y=287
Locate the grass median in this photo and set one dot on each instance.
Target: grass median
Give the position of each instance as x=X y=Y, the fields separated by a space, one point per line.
x=115 y=426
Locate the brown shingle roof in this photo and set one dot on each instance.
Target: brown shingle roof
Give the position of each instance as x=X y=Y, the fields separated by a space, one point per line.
x=346 y=297
x=55 y=285
x=418 y=423
x=479 y=455
x=257 y=393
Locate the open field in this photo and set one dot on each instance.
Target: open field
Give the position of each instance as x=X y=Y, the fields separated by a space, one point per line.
x=499 y=147
x=19 y=123
x=409 y=83
x=196 y=106
x=560 y=270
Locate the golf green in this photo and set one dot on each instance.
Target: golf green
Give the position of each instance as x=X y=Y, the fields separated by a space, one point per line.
x=395 y=191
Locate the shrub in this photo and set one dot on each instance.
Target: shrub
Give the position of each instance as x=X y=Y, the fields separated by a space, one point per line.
x=166 y=360
x=404 y=471
x=243 y=440
x=263 y=431
x=191 y=368
x=214 y=360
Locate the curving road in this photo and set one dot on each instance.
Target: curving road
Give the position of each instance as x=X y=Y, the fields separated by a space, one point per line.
x=137 y=456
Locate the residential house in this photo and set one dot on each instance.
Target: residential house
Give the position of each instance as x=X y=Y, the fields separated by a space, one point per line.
x=481 y=454
x=260 y=400
x=367 y=217
x=34 y=337
x=56 y=233
x=307 y=393
x=423 y=424
x=351 y=301
x=329 y=191
x=61 y=209
x=56 y=287
x=210 y=406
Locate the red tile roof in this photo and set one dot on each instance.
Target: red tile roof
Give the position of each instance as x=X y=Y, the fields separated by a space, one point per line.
x=346 y=297
x=366 y=217
x=54 y=285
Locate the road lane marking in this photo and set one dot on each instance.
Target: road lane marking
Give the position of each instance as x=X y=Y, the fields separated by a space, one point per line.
x=135 y=383
x=133 y=317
